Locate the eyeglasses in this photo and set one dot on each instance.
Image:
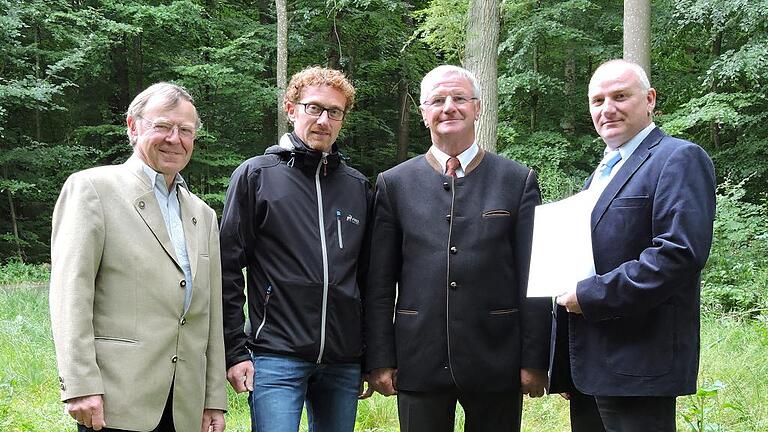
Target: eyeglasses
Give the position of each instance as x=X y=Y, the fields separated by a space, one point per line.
x=439 y=101
x=317 y=110
x=164 y=127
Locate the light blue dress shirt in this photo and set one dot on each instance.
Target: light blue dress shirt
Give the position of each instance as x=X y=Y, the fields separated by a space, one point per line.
x=171 y=210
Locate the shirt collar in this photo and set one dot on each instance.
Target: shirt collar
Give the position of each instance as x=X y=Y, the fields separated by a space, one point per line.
x=153 y=175
x=464 y=157
x=629 y=147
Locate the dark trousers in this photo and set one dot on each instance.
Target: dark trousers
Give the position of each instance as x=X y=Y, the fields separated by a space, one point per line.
x=436 y=411
x=165 y=425
x=622 y=414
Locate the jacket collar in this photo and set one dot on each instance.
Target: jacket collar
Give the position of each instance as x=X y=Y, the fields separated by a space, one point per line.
x=638 y=158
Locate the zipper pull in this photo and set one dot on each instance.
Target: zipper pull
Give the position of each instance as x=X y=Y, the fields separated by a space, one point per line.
x=325 y=166
x=338 y=228
x=269 y=293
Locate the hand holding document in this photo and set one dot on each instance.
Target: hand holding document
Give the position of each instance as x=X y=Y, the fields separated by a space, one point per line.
x=561 y=253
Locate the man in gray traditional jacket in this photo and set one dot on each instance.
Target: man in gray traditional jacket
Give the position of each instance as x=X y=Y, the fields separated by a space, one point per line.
x=452 y=235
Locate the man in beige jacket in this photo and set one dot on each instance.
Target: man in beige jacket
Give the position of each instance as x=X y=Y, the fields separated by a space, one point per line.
x=136 y=283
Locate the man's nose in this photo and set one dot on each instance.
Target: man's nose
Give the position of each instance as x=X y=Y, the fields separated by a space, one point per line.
x=323 y=118
x=449 y=105
x=174 y=136
x=609 y=106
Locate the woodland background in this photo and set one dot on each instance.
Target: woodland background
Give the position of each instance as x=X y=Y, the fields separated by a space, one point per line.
x=69 y=69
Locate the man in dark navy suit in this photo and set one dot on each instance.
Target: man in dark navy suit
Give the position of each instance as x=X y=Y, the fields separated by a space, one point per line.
x=627 y=339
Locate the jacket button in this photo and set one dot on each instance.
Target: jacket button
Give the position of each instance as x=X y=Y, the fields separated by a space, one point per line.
x=183 y=321
x=174 y=359
x=194 y=221
x=62 y=387
x=183 y=283
x=454 y=285
x=454 y=250
x=447 y=218
x=446 y=186
x=142 y=205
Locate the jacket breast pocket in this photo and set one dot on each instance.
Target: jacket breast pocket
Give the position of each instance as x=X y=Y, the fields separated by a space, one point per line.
x=490 y=214
x=630 y=202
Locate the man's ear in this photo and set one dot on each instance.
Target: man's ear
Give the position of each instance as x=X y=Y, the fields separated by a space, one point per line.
x=132 y=128
x=651 y=99
x=290 y=111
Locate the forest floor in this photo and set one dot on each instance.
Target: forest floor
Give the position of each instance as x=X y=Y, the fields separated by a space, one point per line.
x=733 y=381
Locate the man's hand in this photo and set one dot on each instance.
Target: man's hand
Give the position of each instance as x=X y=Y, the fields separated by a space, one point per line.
x=533 y=382
x=570 y=302
x=240 y=376
x=213 y=421
x=87 y=410
x=383 y=380
x=364 y=393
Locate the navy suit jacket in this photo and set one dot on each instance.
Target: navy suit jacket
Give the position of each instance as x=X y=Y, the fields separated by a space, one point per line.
x=651 y=235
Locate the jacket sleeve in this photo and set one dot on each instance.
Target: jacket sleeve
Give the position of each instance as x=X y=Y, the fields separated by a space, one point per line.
x=215 y=375
x=236 y=237
x=683 y=210
x=383 y=275
x=536 y=312
x=77 y=244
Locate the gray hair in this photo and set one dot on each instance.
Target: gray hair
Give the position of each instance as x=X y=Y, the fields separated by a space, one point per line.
x=430 y=77
x=169 y=93
x=638 y=70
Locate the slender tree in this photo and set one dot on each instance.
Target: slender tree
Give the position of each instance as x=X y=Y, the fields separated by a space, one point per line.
x=282 y=65
x=637 y=33
x=481 y=57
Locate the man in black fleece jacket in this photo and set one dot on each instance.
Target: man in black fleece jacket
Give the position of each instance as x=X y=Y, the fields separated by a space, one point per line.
x=296 y=219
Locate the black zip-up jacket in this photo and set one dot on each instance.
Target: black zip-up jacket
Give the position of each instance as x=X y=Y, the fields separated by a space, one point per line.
x=297 y=221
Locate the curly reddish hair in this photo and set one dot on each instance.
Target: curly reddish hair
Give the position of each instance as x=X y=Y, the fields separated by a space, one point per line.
x=319 y=76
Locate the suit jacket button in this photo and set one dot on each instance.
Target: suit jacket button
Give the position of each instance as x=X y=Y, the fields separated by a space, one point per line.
x=194 y=221
x=62 y=387
x=454 y=285
x=142 y=205
x=174 y=359
x=447 y=218
x=183 y=321
x=183 y=283
x=61 y=380
x=454 y=250
x=446 y=186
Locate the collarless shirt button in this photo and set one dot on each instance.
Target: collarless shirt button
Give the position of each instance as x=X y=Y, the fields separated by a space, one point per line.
x=454 y=250
x=446 y=186
x=454 y=285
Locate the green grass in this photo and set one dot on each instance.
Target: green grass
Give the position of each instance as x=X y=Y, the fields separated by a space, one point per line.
x=734 y=352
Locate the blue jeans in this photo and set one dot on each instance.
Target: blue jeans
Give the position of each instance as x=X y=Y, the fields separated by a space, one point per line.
x=281 y=385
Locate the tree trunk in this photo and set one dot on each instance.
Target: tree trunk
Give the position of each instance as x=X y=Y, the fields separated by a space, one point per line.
x=637 y=33
x=38 y=38
x=14 y=220
x=569 y=115
x=714 y=128
x=403 y=126
x=282 y=65
x=481 y=56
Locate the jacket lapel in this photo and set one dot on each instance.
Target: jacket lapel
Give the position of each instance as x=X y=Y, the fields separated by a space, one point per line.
x=189 y=220
x=146 y=206
x=639 y=156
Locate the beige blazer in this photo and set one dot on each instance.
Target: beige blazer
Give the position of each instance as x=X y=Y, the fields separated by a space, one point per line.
x=117 y=301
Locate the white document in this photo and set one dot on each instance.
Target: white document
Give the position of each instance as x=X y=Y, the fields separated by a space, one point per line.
x=561 y=253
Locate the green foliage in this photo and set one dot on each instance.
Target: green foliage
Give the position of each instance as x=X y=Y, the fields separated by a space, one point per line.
x=736 y=275
x=442 y=25
x=16 y=272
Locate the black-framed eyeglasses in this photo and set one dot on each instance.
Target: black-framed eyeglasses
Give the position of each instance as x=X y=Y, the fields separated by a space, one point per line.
x=316 y=110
